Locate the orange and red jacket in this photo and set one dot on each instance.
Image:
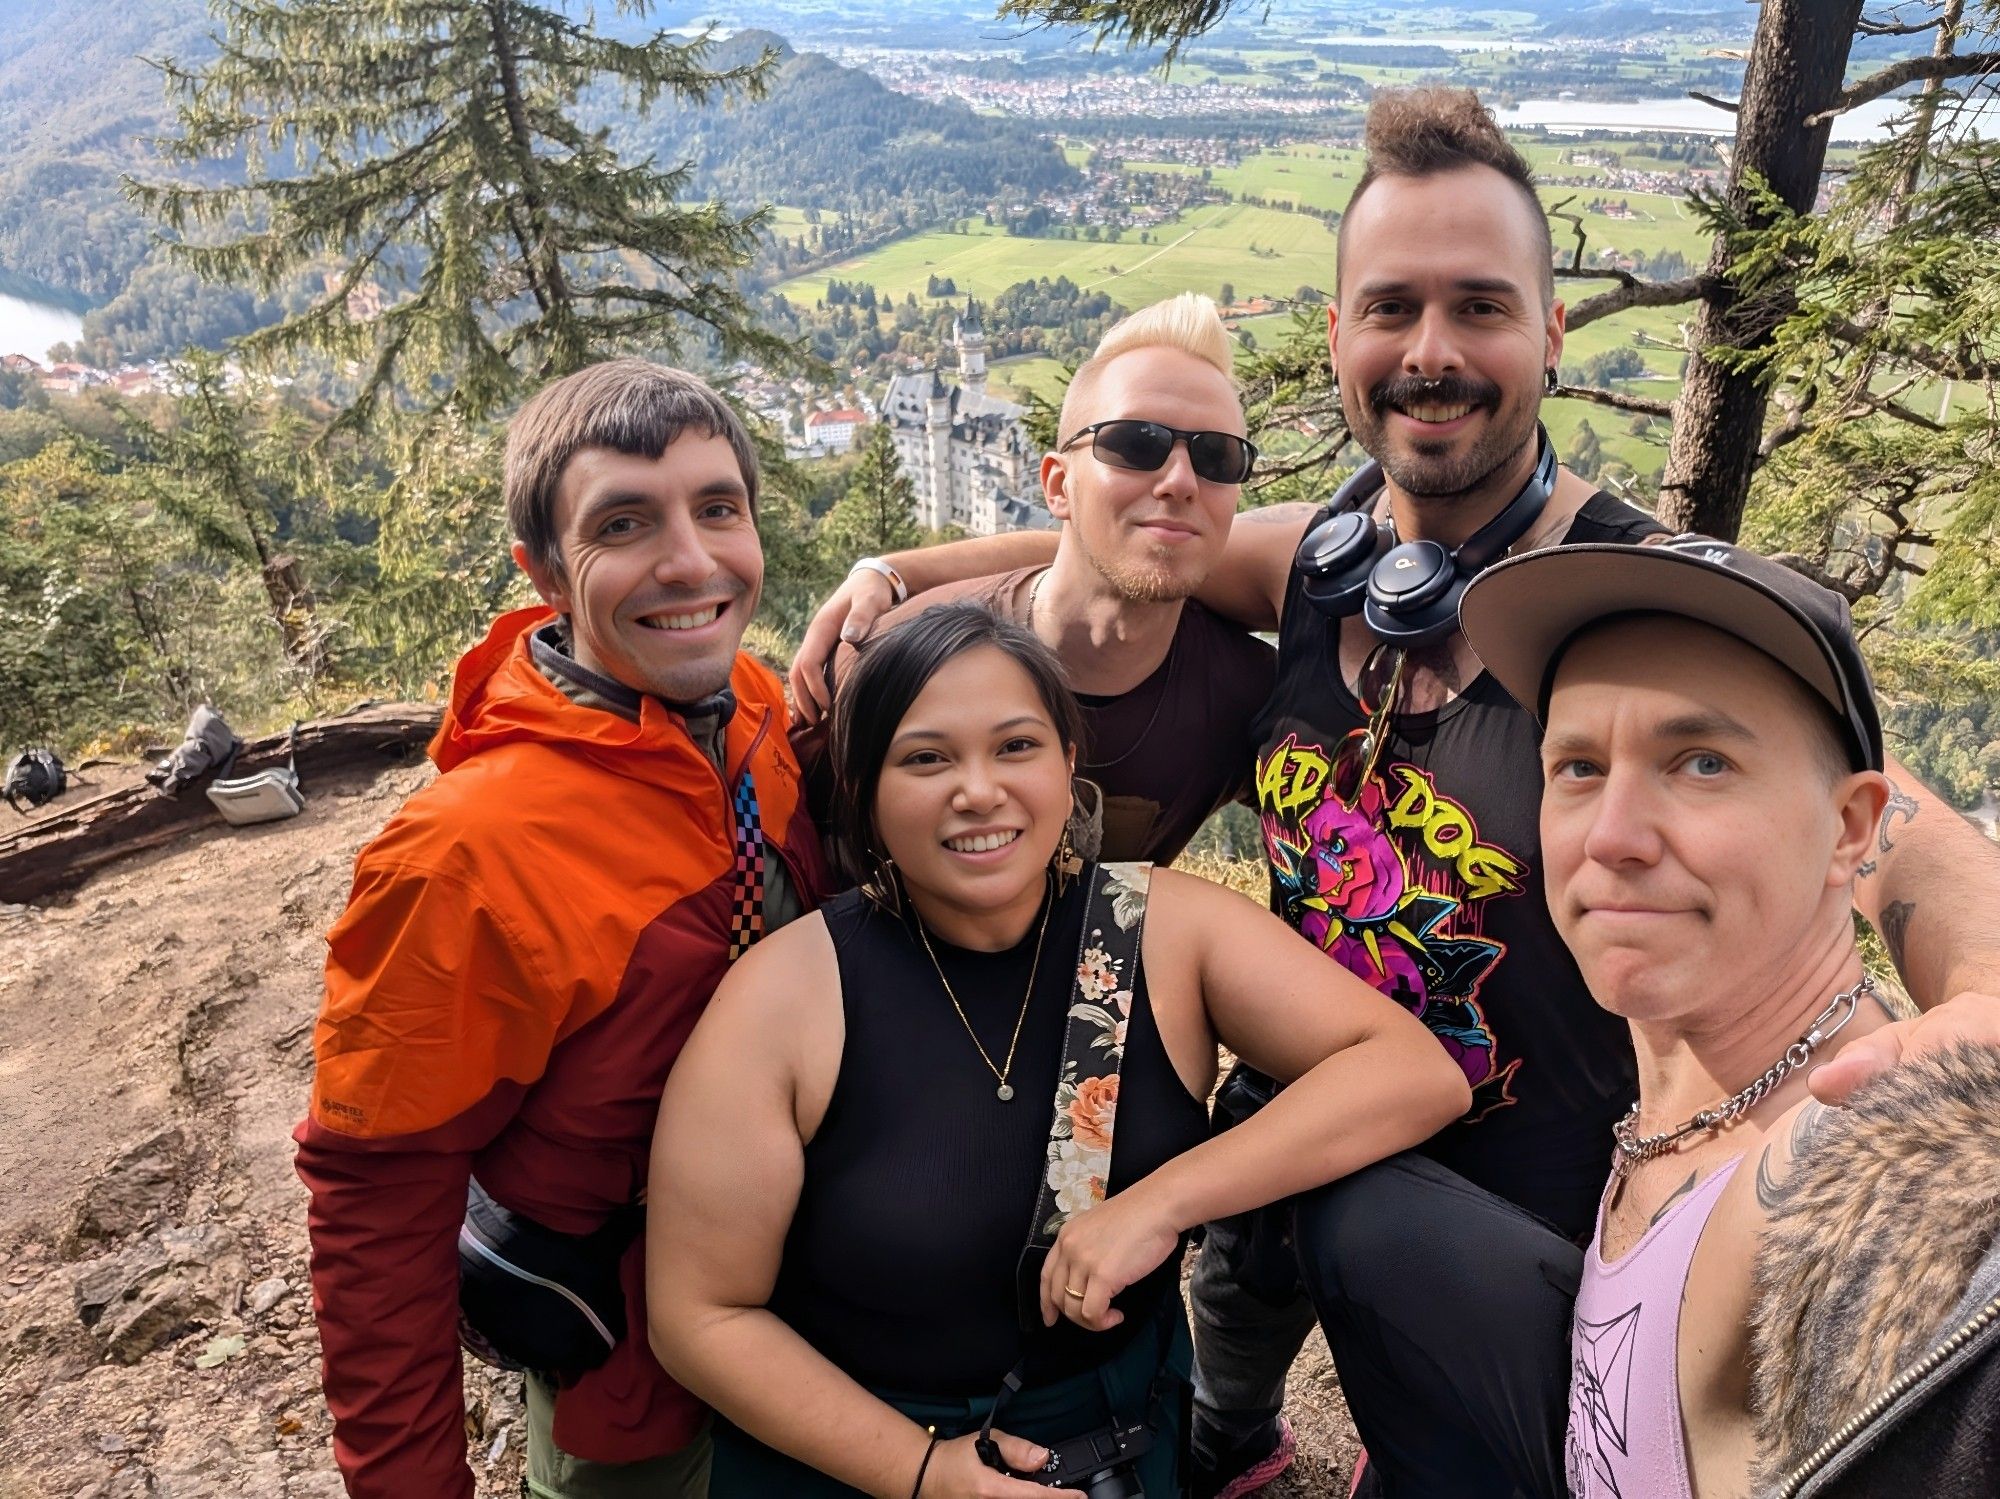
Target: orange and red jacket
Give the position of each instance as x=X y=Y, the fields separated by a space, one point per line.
x=527 y=945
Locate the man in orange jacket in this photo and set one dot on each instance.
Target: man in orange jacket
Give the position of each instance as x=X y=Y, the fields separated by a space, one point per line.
x=531 y=938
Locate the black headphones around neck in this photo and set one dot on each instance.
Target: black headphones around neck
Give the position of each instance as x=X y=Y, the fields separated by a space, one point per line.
x=1407 y=593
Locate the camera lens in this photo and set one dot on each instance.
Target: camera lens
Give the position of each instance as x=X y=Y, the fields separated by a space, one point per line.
x=1115 y=1483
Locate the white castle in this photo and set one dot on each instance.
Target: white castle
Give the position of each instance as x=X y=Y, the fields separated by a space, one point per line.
x=966 y=453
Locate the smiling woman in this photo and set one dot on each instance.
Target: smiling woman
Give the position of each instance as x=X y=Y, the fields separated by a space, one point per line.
x=855 y=1258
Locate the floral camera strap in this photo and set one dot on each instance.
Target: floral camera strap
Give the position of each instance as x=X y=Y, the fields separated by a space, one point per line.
x=1078 y=1167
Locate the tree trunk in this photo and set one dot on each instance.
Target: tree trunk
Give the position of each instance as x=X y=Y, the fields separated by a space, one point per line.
x=297 y=614
x=1798 y=62
x=57 y=850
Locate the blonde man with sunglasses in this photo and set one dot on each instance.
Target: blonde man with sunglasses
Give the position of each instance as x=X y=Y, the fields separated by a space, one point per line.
x=1145 y=479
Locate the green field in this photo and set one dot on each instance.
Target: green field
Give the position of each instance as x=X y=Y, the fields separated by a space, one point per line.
x=787 y=223
x=1259 y=251
x=1311 y=176
x=1021 y=378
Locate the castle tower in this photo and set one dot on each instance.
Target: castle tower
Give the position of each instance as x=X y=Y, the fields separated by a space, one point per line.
x=970 y=336
x=937 y=427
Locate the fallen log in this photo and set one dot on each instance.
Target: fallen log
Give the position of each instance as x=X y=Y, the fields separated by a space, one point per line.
x=56 y=853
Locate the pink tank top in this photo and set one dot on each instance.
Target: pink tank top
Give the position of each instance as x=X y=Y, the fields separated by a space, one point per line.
x=1625 y=1434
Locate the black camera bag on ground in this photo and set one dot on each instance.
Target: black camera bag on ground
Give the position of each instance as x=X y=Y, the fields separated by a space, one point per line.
x=34 y=776
x=532 y=1298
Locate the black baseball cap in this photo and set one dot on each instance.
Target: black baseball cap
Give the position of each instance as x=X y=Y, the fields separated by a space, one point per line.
x=1522 y=615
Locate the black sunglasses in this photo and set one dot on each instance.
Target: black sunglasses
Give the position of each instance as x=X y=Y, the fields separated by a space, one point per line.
x=1219 y=457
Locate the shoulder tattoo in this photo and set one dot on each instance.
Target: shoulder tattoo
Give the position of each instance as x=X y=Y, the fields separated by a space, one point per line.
x=1806 y=1129
x=1895 y=929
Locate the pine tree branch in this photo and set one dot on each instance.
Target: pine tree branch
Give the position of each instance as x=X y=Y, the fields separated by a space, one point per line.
x=1910 y=70
x=1141 y=23
x=1632 y=291
x=1868 y=403
x=1797 y=422
x=1913 y=351
x=1616 y=399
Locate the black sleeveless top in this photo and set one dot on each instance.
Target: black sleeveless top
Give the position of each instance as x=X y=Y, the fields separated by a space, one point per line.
x=920 y=1184
x=1431 y=890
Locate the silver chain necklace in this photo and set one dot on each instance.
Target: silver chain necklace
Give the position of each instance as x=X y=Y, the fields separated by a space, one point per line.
x=1633 y=1149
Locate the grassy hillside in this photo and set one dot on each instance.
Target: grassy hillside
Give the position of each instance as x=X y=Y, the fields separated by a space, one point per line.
x=1257 y=250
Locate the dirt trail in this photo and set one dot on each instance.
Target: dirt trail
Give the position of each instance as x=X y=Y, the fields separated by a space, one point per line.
x=156 y=1335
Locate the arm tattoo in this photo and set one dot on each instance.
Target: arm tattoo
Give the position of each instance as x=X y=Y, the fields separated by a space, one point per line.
x=1901 y=804
x=1895 y=929
x=1672 y=1197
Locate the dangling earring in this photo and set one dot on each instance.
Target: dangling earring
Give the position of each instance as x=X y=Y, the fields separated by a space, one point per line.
x=1081 y=835
x=1550 y=380
x=882 y=886
x=1067 y=865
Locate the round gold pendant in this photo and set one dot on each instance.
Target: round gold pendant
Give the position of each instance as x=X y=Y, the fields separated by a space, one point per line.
x=1004 y=1093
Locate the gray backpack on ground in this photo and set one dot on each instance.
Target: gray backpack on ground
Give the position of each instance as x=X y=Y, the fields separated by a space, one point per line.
x=208 y=748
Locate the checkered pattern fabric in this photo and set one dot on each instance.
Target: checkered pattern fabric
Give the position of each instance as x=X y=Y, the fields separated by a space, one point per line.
x=746 y=915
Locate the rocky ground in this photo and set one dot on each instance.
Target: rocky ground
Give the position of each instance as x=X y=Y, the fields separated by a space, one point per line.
x=156 y=1335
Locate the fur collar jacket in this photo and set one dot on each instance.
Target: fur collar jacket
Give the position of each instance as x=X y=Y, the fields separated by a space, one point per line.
x=1876 y=1338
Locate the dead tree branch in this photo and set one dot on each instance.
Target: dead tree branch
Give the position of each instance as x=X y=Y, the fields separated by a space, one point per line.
x=1616 y=399
x=1631 y=291
x=1909 y=70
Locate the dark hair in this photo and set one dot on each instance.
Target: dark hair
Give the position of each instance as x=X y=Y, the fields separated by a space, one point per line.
x=893 y=670
x=1421 y=132
x=628 y=405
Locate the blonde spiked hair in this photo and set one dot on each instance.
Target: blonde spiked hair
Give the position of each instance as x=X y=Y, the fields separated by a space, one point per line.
x=1188 y=322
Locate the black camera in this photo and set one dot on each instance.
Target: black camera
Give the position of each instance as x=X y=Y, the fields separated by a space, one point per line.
x=1099 y=1463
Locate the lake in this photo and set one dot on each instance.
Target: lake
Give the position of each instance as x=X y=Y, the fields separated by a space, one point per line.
x=1646 y=116
x=30 y=327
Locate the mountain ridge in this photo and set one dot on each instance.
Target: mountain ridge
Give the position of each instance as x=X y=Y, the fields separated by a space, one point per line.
x=79 y=101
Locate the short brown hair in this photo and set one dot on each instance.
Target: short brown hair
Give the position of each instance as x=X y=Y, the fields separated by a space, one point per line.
x=1422 y=132
x=628 y=405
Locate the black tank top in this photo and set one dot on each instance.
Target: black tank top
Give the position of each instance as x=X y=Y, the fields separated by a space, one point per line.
x=920 y=1184
x=1431 y=890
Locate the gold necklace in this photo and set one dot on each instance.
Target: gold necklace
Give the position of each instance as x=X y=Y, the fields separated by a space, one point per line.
x=1005 y=1091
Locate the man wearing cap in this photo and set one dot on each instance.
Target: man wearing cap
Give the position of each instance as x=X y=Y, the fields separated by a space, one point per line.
x=1399 y=818
x=1713 y=785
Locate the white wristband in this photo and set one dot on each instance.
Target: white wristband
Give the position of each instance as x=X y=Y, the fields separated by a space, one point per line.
x=897 y=586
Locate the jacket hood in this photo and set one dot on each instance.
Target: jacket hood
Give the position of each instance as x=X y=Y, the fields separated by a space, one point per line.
x=500 y=697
